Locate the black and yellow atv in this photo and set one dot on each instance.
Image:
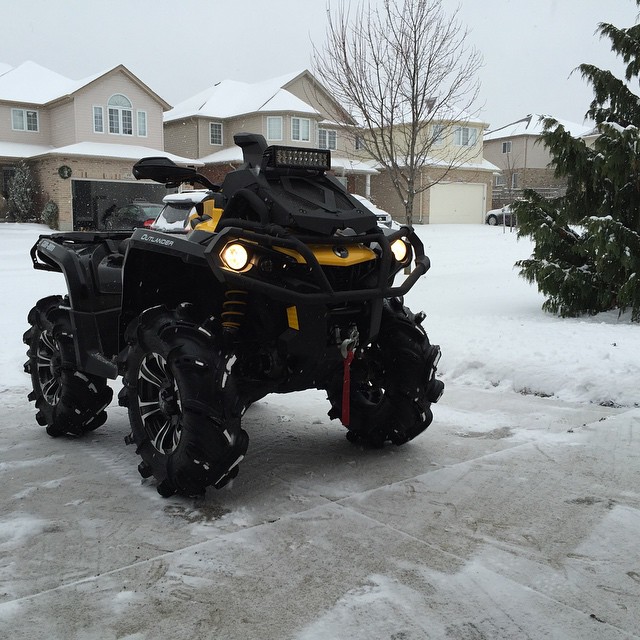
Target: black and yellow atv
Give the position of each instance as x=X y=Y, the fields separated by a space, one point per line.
x=284 y=283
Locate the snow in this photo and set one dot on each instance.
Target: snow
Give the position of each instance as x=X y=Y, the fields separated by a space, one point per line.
x=532 y=125
x=515 y=515
x=22 y=150
x=32 y=83
x=232 y=98
x=124 y=151
x=486 y=318
x=89 y=149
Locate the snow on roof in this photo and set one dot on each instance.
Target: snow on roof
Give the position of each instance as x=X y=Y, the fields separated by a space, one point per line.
x=33 y=84
x=231 y=98
x=346 y=165
x=20 y=150
x=224 y=156
x=532 y=125
x=121 y=151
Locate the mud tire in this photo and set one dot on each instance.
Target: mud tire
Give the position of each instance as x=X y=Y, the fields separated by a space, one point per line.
x=187 y=438
x=68 y=401
x=393 y=382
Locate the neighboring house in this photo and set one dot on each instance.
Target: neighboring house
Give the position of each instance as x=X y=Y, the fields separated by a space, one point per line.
x=523 y=160
x=288 y=110
x=460 y=175
x=295 y=109
x=80 y=138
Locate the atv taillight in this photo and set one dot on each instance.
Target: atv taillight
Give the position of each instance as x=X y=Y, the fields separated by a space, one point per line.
x=298 y=158
x=147 y=223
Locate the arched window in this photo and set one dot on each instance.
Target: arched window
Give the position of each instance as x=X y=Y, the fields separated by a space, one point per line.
x=120 y=115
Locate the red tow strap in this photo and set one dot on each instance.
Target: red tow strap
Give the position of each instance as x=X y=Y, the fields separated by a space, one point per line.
x=346 y=388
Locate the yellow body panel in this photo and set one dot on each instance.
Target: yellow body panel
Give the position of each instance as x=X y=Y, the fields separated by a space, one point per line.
x=211 y=216
x=354 y=254
x=292 y=318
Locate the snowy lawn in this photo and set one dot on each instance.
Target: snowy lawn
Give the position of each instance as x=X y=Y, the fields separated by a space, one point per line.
x=486 y=318
x=516 y=515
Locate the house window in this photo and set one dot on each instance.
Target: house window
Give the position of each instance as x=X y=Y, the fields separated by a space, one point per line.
x=301 y=129
x=24 y=120
x=506 y=147
x=465 y=136
x=500 y=181
x=274 y=128
x=438 y=135
x=514 y=181
x=359 y=143
x=120 y=115
x=142 y=123
x=327 y=139
x=215 y=133
x=98 y=120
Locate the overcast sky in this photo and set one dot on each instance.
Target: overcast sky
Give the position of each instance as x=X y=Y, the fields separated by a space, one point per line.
x=179 y=47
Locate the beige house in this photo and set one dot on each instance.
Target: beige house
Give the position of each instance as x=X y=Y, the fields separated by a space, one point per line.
x=460 y=177
x=523 y=160
x=80 y=139
x=292 y=110
x=296 y=110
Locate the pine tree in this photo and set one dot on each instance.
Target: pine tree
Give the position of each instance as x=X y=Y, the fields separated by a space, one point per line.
x=22 y=191
x=586 y=257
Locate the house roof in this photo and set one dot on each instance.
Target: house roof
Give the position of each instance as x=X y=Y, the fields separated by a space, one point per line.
x=532 y=125
x=32 y=83
x=472 y=165
x=231 y=98
x=17 y=150
x=4 y=68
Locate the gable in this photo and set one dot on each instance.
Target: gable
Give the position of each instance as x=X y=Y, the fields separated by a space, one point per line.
x=307 y=88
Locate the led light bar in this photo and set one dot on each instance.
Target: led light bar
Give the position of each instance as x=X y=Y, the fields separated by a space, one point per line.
x=298 y=158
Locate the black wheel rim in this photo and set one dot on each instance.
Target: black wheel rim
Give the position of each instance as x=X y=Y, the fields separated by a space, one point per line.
x=159 y=403
x=48 y=367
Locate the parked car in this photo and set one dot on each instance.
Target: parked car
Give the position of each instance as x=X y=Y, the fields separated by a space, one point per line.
x=131 y=216
x=177 y=210
x=384 y=219
x=503 y=216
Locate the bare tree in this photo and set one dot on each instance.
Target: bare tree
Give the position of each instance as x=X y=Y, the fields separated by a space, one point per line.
x=404 y=72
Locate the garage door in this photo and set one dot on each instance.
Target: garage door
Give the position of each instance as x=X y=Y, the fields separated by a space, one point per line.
x=457 y=203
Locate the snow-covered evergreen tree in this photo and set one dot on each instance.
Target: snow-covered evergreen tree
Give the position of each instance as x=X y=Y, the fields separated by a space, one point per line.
x=22 y=192
x=587 y=243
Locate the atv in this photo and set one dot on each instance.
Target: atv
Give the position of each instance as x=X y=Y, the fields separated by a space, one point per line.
x=284 y=282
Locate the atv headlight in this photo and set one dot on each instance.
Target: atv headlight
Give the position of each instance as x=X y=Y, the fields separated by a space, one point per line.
x=235 y=256
x=400 y=250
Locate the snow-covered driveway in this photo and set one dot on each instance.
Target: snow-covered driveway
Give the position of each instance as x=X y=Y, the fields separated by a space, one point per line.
x=513 y=516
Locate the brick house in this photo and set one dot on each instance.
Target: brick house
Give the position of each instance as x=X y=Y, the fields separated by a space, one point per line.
x=522 y=159
x=296 y=110
x=80 y=139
